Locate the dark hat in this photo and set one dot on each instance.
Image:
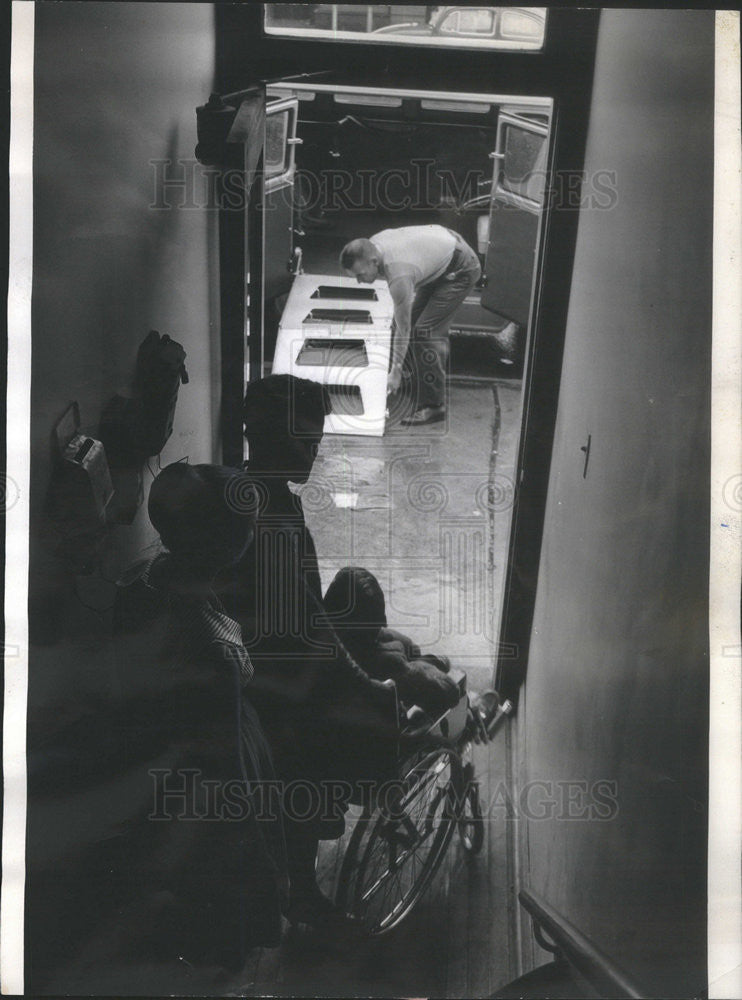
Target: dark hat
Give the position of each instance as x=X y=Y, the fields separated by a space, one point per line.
x=203 y=512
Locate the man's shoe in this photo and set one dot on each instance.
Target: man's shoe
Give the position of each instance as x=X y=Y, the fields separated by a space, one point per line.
x=327 y=921
x=427 y=415
x=311 y=906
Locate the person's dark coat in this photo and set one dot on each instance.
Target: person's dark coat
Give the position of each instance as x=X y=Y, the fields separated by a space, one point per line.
x=325 y=717
x=200 y=860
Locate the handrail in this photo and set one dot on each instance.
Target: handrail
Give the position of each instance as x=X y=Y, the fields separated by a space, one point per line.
x=581 y=953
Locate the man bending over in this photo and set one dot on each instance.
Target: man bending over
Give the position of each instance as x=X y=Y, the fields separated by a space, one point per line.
x=430 y=271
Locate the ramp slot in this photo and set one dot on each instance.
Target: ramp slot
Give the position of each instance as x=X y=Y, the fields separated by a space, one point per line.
x=339 y=316
x=329 y=352
x=346 y=400
x=341 y=292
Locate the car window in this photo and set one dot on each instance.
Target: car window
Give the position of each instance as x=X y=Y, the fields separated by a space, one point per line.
x=275 y=144
x=276 y=148
x=524 y=165
x=450 y=24
x=483 y=26
x=519 y=24
x=280 y=138
x=476 y=21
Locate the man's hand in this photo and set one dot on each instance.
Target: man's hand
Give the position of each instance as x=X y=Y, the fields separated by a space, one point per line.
x=478 y=724
x=425 y=685
x=394 y=380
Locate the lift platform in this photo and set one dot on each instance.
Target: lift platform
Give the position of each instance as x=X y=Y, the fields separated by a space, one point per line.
x=339 y=333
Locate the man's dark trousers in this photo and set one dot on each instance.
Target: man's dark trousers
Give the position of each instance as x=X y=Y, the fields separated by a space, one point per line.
x=434 y=305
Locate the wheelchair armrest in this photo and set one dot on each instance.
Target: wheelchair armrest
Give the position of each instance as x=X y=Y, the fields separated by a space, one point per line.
x=450 y=725
x=416 y=726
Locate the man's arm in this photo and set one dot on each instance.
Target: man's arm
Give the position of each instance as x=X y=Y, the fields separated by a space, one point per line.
x=402 y=290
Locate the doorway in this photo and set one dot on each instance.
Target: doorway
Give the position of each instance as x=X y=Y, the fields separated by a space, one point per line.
x=428 y=510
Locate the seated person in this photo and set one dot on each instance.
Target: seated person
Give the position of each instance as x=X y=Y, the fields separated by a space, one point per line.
x=219 y=883
x=173 y=873
x=355 y=606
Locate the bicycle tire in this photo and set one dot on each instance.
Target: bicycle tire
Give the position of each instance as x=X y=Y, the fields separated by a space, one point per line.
x=350 y=860
x=430 y=806
x=471 y=826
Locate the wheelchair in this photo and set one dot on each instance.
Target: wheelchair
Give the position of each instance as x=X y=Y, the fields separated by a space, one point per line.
x=400 y=839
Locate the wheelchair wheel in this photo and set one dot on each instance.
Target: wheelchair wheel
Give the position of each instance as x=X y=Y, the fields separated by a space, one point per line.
x=471 y=821
x=396 y=848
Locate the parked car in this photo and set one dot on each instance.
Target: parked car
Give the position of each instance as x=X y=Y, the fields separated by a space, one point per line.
x=365 y=17
x=515 y=25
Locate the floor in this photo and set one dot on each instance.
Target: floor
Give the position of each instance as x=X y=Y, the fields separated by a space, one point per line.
x=453 y=945
x=429 y=516
x=426 y=510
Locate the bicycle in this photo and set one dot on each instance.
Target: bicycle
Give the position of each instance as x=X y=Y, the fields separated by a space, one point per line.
x=404 y=831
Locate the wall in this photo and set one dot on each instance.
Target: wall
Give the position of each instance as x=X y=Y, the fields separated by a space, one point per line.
x=616 y=688
x=116 y=86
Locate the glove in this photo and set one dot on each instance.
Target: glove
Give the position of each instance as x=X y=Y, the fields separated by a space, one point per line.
x=442 y=662
x=425 y=685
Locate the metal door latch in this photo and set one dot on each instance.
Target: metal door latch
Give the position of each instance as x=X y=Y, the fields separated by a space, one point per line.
x=586 y=449
x=294 y=265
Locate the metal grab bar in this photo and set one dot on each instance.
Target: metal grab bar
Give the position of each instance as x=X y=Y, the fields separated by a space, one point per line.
x=581 y=953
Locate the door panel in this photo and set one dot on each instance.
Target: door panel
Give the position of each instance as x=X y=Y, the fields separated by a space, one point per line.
x=518 y=187
x=279 y=170
x=510 y=262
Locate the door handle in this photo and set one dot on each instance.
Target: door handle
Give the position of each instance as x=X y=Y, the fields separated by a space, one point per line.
x=586 y=450
x=496 y=156
x=294 y=265
x=295 y=141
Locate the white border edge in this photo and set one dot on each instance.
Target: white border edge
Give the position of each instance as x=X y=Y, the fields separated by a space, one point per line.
x=725 y=744
x=12 y=902
x=725 y=652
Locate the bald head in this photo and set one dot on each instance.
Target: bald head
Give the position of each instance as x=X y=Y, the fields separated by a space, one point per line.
x=361 y=260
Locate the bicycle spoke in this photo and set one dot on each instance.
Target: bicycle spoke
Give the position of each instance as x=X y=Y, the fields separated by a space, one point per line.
x=407 y=841
x=397 y=863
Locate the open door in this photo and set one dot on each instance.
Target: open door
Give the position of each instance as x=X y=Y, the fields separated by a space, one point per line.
x=518 y=186
x=250 y=50
x=279 y=171
x=274 y=229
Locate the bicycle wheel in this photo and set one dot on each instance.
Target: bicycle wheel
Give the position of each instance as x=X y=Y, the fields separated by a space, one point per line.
x=356 y=846
x=351 y=858
x=402 y=843
x=471 y=821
